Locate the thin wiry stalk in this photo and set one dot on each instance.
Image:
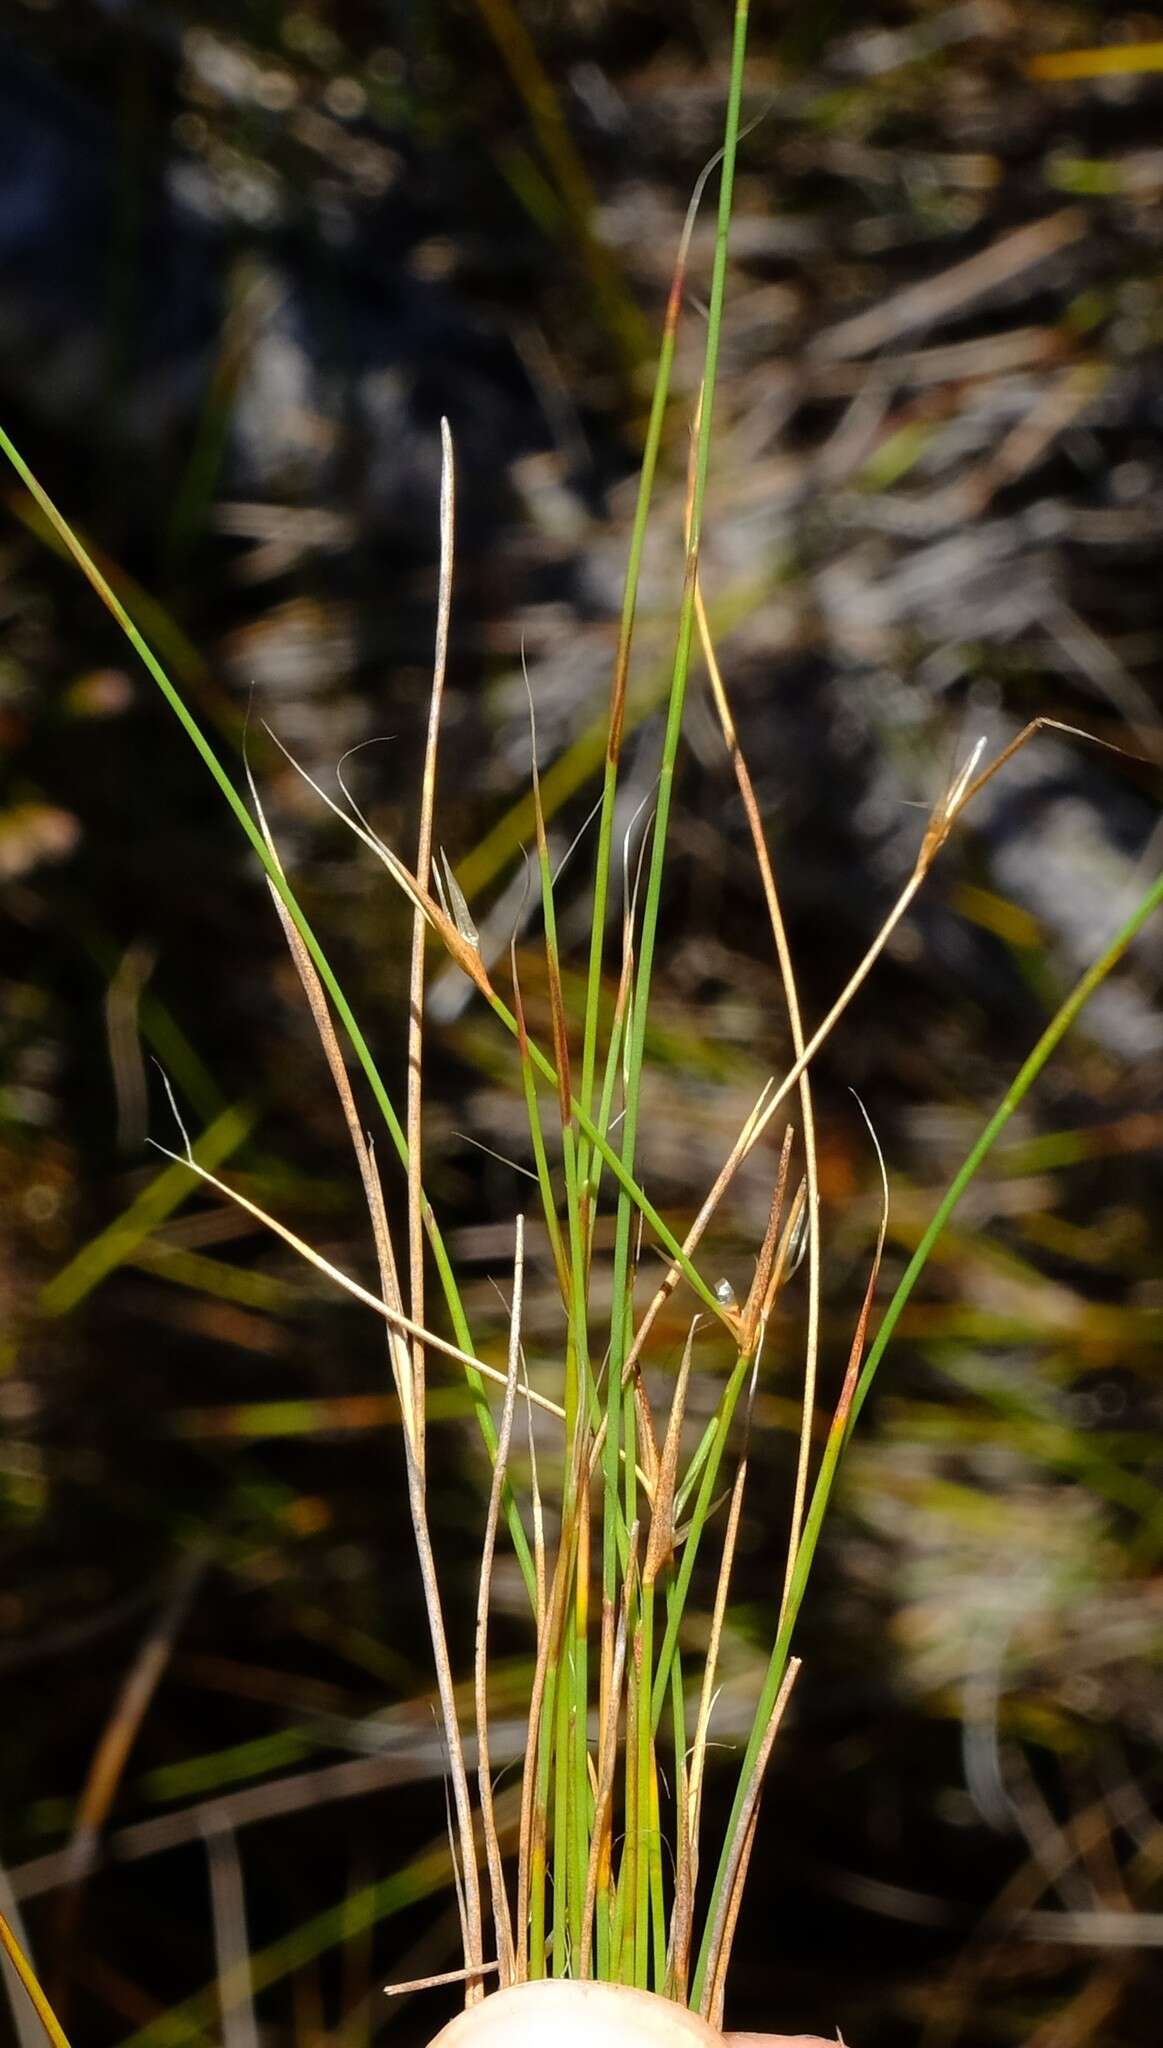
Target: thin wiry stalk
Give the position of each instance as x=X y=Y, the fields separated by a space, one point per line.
x=693 y=1815
x=474 y=1949
x=624 y=1951
x=940 y=825
x=647 y=1444
x=660 y=1545
x=369 y=1175
x=662 y=1295
x=756 y=1308
x=231 y=1941
x=856 y=1388
x=623 y=1003
x=577 y=1352
x=538 y=1516
x=791 y=998
x=858 y=1383
x=416 y=1196
x=472 y=1971
x=619 y=685
x=529 y=1959
x=659 y=1552
x=466 y=957
x=401 y=1364
x=657 y=1890
x=945 y=815
x=433 y=1983
x=562 y=1807
x=614 y=1520
x=580 y=1762
x=718 y=1944
x=693 y=1470
x=537 y=1135
x=622 y=1310
x=686 y=614
x=500 y=1901
x=718 y=1998
x=676 y=1602
x=674 y=1977
x=570 y=1753
x=538 y=1770
x=28 y=1978
x=598 y=1872
x=560 y=1755
x=690 y=1810
x=550 y=1745
x=392 y=1315
x=678 y=1591
x=27 y=2029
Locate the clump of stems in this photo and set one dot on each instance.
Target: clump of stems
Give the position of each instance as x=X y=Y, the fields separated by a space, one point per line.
x=604 y=1873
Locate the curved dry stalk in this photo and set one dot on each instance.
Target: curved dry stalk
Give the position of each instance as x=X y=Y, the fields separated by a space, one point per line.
x=501 y=1920
x=395 y=1317
x=939 y=827
x=368 y=1171
x=459 y=947
x=391 y=1306
x=791 y=998
x=416 y=1197
x=465 y=954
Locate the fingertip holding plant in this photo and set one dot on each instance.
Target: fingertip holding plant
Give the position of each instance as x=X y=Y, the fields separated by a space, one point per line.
x=572 y=2014
x=594 y=1906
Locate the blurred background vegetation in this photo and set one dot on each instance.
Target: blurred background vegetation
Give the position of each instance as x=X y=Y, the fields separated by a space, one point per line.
x=250 y=254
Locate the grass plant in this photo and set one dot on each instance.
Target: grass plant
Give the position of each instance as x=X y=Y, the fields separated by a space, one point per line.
x=600 y=1867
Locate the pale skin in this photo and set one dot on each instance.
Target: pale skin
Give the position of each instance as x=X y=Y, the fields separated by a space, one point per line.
x=562 y=2013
